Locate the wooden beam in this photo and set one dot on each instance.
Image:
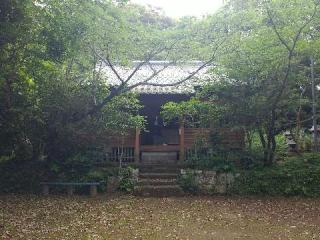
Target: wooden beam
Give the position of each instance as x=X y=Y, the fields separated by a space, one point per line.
x=137 y=147
x=182 y=148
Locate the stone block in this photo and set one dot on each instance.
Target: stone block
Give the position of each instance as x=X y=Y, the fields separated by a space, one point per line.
x=135 y=175
x=210 y=182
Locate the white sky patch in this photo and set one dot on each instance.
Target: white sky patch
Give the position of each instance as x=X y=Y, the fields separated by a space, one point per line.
x=180 y=8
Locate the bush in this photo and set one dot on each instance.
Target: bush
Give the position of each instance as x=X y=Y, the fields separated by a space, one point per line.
x=282 y=147
x=188 y=182
x=222 y=161
x=126 y=183
x=294 y=176
x=74 y=168
x=80 y=168
x=24 y=176
x=97 y=175
x=21 y=176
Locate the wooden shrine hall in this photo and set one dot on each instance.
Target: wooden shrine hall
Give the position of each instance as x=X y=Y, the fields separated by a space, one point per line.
x=163 y=143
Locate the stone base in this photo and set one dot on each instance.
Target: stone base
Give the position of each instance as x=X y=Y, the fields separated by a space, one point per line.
x=211 y=182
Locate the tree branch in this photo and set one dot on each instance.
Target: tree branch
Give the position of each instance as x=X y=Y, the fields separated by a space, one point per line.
x=276 y=30
x=155 y=73
x=290 y=50
x=108 y=62
x=123 y=88
x=191 y=75
x=147 y=60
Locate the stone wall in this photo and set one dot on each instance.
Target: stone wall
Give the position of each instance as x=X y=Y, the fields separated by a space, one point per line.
x=207 y=182
x=135 y=175
x=210 y=182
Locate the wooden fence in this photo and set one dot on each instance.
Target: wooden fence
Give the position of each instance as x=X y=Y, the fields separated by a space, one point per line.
x=126 y=154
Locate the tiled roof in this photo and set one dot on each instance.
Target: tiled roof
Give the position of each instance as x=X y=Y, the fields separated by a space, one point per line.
x=171 y=74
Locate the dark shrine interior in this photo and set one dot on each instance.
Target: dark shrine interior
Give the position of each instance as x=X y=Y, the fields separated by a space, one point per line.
x=157 y=133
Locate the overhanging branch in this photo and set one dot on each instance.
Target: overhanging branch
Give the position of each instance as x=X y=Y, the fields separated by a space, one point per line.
x=290 y=49
x=125 y=84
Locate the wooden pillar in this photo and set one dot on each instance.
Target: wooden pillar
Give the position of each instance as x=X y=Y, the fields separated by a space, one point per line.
x=137 y=147
x=181 y=143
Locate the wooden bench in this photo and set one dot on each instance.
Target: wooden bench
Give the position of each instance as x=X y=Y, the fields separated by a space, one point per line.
x=70 y=187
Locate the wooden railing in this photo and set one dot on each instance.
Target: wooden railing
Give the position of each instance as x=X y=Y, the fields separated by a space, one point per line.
x=191 y=153
x=229 y=138
x=126 y=155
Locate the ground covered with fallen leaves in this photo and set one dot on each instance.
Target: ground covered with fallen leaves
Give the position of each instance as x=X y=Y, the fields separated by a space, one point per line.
x=127 y=217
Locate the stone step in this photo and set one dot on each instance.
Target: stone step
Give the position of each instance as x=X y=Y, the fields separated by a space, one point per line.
x=158 y=170
x=158 y=175
x=161 y=164
x=157 y=182
x=158 y=162
x=155 y=156
x=158 y=191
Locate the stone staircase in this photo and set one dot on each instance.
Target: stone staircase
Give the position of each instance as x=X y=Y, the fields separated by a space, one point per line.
x=158 y=180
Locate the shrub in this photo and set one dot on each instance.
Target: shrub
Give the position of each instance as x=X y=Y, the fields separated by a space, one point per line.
x=220 y=161
x=282 y=147
x=71 y=169
x=126 y=183
x=17 y=176
x=294 y=176
x=20 y=176
x=188 y=182
x=80 y=168
x=97 y=175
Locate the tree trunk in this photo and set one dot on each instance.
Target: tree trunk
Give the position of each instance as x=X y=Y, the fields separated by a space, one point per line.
x=271 y=141
x=249 y=137
x=314 y=108
x=262 y=139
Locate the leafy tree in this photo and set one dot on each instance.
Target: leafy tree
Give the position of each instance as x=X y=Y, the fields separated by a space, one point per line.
x=122 y=115
x=262 y=86
x=52 y=54
x=192 y=113
x=48 y=75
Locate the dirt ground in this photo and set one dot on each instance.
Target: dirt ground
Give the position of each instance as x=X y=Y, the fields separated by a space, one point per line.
x=127 y=217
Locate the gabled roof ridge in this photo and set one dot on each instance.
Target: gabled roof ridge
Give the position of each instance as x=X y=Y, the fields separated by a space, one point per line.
x=171 y=74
